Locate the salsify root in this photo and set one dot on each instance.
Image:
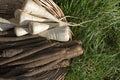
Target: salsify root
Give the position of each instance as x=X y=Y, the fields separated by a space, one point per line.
x=10 y=52
x=21 y=70
x=70 y=53
x=45 y=56
x=27 y=53
x=12 y=39
x=15 y=44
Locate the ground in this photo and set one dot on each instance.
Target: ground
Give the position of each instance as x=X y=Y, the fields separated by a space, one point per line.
x=99 y=31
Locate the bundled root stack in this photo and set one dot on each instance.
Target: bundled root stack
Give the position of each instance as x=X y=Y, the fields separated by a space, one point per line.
x=37 y=59
x=33 y=45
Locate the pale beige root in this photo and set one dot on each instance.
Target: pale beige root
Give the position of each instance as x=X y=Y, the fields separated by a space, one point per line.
x=32 y=8
x=57 y=33
x=5 y=24
x=21 y=31
x=36 y=27
x=44 y=18
x=53 y=24
x=53 y=9
x=24 y=18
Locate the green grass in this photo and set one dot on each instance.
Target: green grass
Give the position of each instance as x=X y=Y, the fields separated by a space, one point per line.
x=100 y=38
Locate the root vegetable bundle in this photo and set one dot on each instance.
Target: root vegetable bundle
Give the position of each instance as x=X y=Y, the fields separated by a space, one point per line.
x=35 y=44
x=38 y=17
x=22 y=63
